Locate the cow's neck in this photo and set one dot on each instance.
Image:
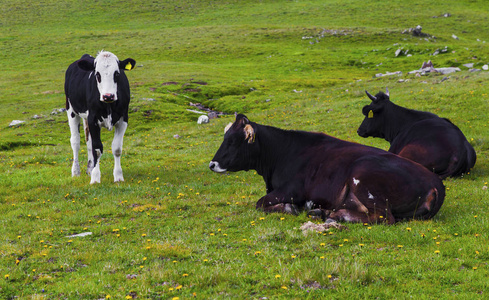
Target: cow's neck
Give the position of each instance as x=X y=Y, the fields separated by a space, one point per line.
x=400 y=118
x=277 y=149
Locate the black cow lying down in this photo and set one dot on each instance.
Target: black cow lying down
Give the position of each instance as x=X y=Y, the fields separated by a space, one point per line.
x=420 y=136
x=344 y=181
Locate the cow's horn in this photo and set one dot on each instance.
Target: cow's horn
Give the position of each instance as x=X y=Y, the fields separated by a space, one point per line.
x=373 y=98
x=387 y=92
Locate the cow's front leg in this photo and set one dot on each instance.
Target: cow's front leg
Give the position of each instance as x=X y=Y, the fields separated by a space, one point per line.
x=97 y=150
x=74 y=122
x=281 y=201
x=120 y=129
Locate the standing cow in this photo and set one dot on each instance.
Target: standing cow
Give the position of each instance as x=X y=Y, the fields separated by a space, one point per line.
x=345 y=181
x=423 y=137
x=97 y=91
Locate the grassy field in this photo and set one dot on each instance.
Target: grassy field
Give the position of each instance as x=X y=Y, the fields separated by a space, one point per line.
x=174 y=229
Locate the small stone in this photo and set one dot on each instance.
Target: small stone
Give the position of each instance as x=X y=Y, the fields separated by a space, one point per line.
x=203 y=119
x=79 y=234
x=15 y=123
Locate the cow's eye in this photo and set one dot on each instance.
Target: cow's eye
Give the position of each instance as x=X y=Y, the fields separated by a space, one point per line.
x=99 y=78
x=116 y=76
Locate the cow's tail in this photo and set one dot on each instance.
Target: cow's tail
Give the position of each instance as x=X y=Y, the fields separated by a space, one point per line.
x=431 y=203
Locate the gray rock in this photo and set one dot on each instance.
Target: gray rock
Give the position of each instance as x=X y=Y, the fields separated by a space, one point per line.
x=445 y=71
x=58 y=110
x=212 y=115
x=203 y=119
x=79 y=235
x=399 y=73
x=15 y=123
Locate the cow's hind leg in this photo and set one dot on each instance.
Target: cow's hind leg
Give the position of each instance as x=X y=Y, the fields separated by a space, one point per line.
x=74 y=122
x=354 y=216
x=120 y=129
x=354 y=210
x=88 y=141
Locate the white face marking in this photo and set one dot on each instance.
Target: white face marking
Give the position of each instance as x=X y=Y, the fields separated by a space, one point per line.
x=106 y=65
x=227 y=127
x=370 y=196
x=355 y=181
x=214 y=166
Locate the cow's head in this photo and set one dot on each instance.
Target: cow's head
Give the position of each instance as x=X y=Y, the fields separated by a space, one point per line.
x=236 y=151
x=373 y=124
x=107 y=69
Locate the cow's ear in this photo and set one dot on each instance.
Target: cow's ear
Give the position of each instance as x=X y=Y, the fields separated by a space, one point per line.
x=127 y=64
x=249 y=133
x=86 y=65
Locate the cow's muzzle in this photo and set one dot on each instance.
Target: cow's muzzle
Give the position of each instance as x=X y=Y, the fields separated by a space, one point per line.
x=108 y=98
x=362 y=133
x=214 y=166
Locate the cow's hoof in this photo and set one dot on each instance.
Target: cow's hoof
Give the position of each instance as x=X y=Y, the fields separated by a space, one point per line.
x=291 y=209
x=317 y=214
x=95 y=176
x=75 y=170
x=118 y=176
x=75 y=173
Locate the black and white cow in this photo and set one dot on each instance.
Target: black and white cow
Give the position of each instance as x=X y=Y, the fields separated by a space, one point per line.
x=97 y=91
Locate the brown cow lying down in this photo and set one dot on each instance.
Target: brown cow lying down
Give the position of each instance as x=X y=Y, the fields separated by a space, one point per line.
x=341 y=180
x=420 y=136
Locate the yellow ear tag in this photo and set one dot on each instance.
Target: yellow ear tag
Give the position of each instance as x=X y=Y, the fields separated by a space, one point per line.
x=128 y=66
x=370 y=114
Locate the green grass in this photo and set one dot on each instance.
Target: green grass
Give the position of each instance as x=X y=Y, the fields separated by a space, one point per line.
x=174 y=228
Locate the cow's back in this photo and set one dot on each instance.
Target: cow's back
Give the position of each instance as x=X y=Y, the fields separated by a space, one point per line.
x=437 y=144
x=374 y=176
x=76 y=85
